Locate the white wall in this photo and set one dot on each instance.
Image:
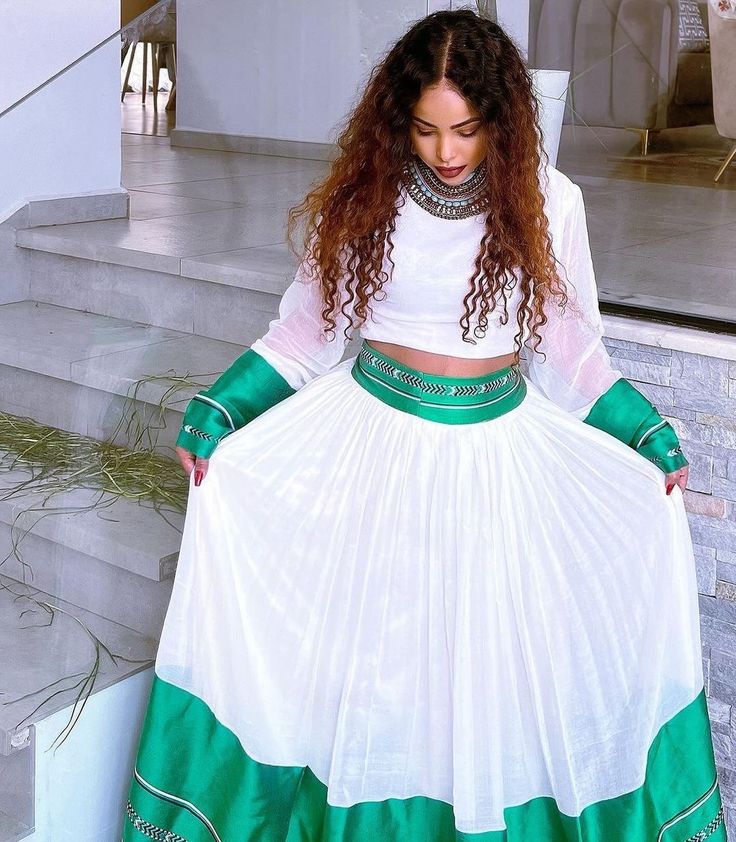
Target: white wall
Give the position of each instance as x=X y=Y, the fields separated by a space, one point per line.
x=65 y=139
x=82 y=785
x=280 y=69
x=292 y=70
x=513 y=16
x=41 y=37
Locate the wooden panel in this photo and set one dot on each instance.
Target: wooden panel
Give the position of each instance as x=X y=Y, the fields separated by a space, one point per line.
x=130 y=9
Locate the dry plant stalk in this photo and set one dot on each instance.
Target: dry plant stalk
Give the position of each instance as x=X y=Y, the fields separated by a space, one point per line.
x=57 y=461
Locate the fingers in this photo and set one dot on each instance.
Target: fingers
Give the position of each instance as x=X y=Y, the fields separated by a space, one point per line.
x=678 y=477
x=200 y=469
x=193 y=463
x=186 y=459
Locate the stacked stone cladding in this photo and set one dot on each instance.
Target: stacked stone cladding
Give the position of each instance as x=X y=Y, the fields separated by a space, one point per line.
x=697 y=394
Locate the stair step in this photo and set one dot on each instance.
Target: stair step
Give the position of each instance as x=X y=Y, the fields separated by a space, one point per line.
x=72 y=370
x=215 y=269
x=86 y=364
x=124 y=534
x=218 y=310
x=261 y=268
x=265 y=268
x=103 y=352
x=83 y=580
x=37 y=651
x=230 y=295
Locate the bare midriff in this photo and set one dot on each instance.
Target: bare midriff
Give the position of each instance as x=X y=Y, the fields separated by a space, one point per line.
x=441 y=364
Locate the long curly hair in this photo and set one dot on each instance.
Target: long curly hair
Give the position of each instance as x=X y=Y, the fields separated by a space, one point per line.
x=350 y=215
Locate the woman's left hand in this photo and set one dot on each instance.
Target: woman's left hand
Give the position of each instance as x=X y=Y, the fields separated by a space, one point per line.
x=678 y=477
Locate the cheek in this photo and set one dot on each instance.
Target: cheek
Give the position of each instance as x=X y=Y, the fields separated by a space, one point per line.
x=479 y=150
x=419 y=141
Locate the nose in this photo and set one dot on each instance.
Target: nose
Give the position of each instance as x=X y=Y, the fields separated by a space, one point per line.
x=445 y=149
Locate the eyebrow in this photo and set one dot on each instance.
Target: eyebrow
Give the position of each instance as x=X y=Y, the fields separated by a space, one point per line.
x=456 y=126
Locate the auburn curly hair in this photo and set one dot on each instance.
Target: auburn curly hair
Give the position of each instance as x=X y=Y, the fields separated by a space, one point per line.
x=350 y=215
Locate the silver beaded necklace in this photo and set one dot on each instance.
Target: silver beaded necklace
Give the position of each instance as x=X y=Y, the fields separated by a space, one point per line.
x=447 y=201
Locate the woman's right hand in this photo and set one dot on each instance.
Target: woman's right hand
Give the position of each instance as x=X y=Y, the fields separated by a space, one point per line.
x=191 y=462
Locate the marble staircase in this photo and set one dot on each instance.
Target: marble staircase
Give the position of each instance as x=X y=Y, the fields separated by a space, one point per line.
x=111 y=303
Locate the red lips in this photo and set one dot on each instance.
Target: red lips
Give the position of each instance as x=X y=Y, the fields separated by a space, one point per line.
x=449 y=172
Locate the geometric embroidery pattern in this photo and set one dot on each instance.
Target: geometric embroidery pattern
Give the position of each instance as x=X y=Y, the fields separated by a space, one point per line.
x=673 y=451
x=152 y=831
x=709 y=829
x=193 y=431
x=435 y=388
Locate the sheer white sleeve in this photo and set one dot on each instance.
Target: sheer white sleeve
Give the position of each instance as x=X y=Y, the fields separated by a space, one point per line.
x=295 y=345
x=577 y=369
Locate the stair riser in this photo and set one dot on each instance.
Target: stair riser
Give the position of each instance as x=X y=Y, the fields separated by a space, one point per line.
x=116 y=594
x=16 y=792
x=76 y=408
x=208 y=309
x=14 y=261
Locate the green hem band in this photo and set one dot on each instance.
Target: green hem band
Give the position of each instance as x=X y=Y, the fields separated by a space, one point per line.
x=194 y=781
x=447 y=400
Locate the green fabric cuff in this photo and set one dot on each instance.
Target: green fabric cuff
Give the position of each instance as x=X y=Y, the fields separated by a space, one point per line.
x=245 y=390
x=623 y=412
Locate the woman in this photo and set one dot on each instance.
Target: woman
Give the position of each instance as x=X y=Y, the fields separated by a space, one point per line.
x=422 y=595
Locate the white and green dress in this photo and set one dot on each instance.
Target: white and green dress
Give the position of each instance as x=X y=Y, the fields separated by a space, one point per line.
x=423 y=608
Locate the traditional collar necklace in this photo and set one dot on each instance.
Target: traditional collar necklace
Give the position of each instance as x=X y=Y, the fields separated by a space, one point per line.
x=447 y=201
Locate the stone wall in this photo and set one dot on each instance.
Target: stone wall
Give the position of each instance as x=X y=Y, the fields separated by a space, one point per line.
x=697 y=394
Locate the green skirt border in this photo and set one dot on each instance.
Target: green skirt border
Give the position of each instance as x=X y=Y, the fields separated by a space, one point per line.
x=194 y=782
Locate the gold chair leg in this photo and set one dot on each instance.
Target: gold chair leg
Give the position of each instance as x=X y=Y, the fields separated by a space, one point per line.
x=155 y=59
x=646 y=136
x=731 y=155
x=144 y=84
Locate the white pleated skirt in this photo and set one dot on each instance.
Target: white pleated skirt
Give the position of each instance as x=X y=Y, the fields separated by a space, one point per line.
x=495 y=622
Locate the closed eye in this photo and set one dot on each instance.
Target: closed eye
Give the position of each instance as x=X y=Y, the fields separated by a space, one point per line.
x=462 y=134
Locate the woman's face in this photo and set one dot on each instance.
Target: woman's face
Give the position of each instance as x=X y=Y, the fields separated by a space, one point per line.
x=446 y=131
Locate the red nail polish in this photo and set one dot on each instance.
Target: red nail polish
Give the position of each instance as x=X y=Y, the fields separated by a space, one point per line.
x=198 y=476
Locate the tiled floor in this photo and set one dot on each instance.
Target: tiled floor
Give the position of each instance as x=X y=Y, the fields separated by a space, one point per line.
x=221 y=216
x=655 y=245
x=689 y=156
x=144 y=119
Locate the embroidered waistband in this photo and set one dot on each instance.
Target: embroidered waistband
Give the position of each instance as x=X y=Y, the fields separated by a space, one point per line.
x=450 y=400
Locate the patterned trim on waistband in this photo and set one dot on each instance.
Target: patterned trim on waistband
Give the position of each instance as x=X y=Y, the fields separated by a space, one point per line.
x=435 y=388
x=709 y=829
x=152 y=831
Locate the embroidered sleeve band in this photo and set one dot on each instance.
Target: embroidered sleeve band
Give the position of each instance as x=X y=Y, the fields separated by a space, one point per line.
x=623 y=412
x=245 y=390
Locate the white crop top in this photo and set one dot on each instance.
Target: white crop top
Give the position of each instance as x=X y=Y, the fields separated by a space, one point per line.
x=434 y=260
